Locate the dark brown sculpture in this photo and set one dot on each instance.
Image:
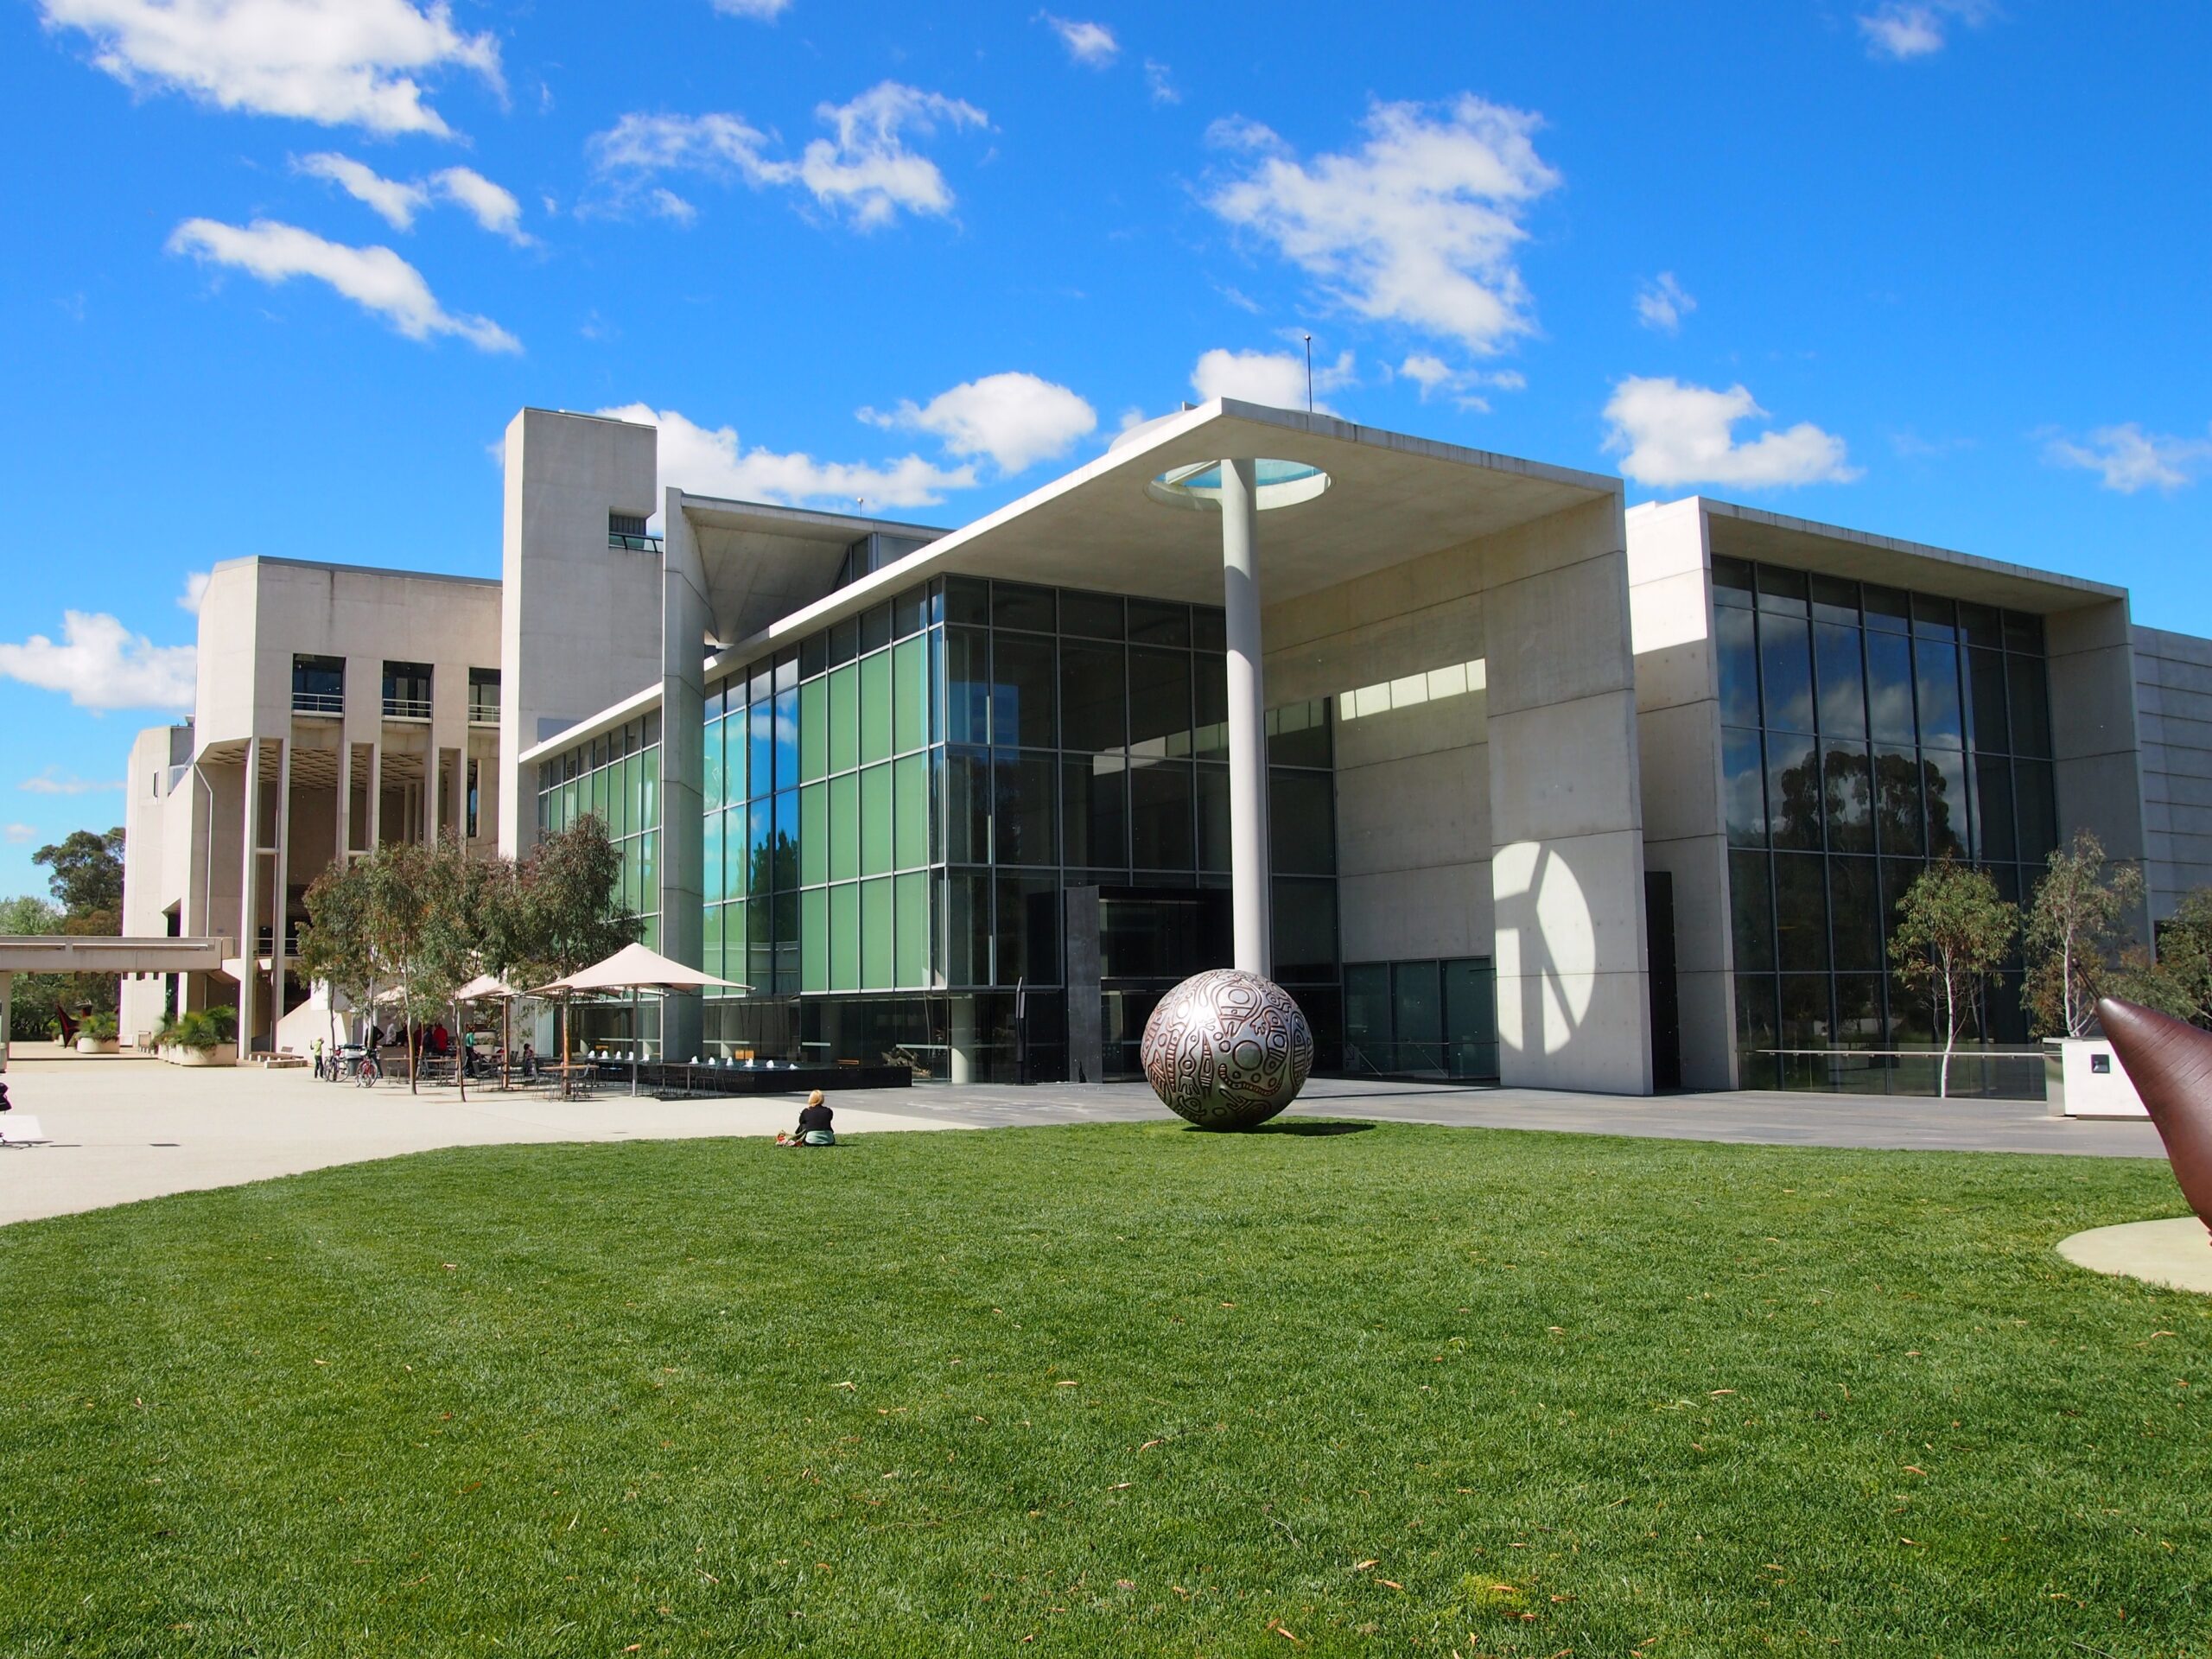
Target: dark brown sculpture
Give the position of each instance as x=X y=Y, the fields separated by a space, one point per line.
x=2170 y=1063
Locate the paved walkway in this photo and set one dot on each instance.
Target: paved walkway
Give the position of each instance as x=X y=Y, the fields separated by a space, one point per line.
x=2170 y=1253
x=124 y=1128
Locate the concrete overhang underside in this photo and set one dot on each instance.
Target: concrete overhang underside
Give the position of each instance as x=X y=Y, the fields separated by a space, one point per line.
x=1392 y=498
x=1741 y=532
x=762 y=562
x=64 y=953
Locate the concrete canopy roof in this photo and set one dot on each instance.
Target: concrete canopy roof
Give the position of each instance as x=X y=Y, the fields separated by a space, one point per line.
x=1392 y=498
x=765 y=562
x=1753 y=533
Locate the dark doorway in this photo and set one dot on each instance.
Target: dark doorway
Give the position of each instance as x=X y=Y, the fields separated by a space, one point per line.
x=1666 y=1003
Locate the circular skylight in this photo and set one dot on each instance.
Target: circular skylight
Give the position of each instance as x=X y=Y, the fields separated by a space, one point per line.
x=1277 y=483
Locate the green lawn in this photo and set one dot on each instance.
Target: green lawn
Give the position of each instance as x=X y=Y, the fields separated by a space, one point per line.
x=1127 y=1389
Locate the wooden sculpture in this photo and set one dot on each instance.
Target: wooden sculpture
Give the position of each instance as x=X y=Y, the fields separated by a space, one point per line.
x=2170 y=1063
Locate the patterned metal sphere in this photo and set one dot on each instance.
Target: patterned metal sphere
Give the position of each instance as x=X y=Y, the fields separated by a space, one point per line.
x=1227 y=1050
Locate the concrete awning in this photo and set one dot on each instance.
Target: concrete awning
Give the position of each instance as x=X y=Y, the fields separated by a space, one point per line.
x=71 y=953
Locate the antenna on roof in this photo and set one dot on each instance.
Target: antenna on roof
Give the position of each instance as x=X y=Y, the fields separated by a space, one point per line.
x=1309 y=374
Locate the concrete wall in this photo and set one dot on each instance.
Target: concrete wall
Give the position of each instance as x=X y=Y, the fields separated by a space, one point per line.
x=582 y=623
x=1493 y=811
x=1678 y=734
x=2173 y=718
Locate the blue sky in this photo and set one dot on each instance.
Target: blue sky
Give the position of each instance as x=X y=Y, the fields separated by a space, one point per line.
x=280 y=274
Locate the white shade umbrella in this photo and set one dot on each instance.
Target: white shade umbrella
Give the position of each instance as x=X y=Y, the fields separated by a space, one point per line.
x=486 y=988
x=634 y=969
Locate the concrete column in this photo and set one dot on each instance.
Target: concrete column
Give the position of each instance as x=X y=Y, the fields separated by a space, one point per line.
x=280 y=882
x=960 y=1038
x=249 y=894
x=374 y=836
x=342 y=807
x=7 y=1002
x=684 y=616
x=1250 y=869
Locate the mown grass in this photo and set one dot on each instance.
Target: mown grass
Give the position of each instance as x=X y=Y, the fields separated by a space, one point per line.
x=1123 y=1389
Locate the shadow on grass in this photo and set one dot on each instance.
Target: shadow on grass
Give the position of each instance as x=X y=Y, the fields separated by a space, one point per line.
x=1297 y=1126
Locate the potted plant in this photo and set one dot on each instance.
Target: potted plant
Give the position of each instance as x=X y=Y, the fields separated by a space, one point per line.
x=97 y=1034
x=204 y=1036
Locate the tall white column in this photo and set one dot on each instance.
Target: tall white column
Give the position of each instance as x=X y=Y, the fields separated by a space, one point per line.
x=250 y=896
x=7 y=1013
x=1250 y=870
x=280 y=884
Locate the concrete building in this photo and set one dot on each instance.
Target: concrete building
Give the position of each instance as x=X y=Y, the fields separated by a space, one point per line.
x=337 y=708
x=1501 y=779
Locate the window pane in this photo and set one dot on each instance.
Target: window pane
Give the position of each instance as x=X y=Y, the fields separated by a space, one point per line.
x=967 y=685
x=1028 y=930
x=1897 y=875
x=1210 y=712
x=1157 y=622
x=1991 y=725
x=1160 y=702
x=1470 y=1017
x=1943 y=777
x=2036 y=809
x=1804 y=1011
x=1800 y=913
x=875 y=820
x=760 y=947
x=1094 y=814
x=1897 y=800
x=711 y=864
x=1756 y=1032
x=1855 y=913
x=967 y=600
x=787 y=859
x=1786 y=672
x=844 y=717
x=813 y=729
x=1298 y=733
x=1301 y=831
x=875 y=708
x=760 y=840
x=1752 y=910
x=967 y=929
x=1859 y=1011
x=1848 y=777
x=1993 y=780
x=1367 y=1017
x=911 y=923
x=1417 y=1015
x=1889 y=688
x=1740 y=672
x=875 y=935
x=910 y=693
x=968 y=806
x=737 y=862
x=844 y=827
x=1016 y=605
x=1732 y=583
x=814 y=939
x=760 y=749
x=710 y=766
x=814 y=834
x=1744 y=776
x=1842 y=680
x=1022 y=686
x=1937 y=664
x=1159 y=816
x=845 y=937
x=1091 y=691
x=1096 y=616
x=1305 y=930
x=1213 y=821
x=2031 y=706
x=1794 y=789
x=911 y=811
x=1026 y=819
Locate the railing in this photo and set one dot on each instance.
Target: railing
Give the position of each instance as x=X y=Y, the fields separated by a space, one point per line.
x=633 y=543
x=318 y=702
x=1976 y=1073
x=483 y=711
x=406 y=708
x=267 y=938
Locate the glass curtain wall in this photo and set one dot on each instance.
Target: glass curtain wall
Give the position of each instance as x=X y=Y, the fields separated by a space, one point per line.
x=616 y=779
x=1866 y=732
x=1422 y=1018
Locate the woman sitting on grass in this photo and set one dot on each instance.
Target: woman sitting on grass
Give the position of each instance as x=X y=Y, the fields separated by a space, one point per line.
x=814 y=1129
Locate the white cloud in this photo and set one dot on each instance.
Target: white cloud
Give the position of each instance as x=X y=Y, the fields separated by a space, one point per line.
x=394 y=201
x=99 y=664
x=1662 y=303
x=54 y=781
x=1437 y=378
x=1015 y=419
x=761 y=12
x=2130 y=459
x=18 y=835
x=375 y=278
x=1159 y=80
x=195 y=589
x=666 y=204
x=1275 y=379
x=1418 y=226
x=397 y=200
x=339 y=62
x=711 y=461
x=866 y=171
x=1668 y=434
x=1090 y=43
x=492 y=206
x=1903 y=29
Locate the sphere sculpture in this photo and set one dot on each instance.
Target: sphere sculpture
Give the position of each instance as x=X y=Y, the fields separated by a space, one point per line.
x=1227 y=1050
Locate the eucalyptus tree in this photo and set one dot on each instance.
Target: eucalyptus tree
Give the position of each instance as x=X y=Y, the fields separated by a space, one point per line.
x=1953 y=931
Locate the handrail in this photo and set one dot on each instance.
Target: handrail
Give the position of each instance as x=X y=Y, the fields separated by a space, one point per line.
x=406 y=708
x=318 y=702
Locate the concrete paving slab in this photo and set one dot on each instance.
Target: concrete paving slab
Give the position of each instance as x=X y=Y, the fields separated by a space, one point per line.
x=2177 y=1254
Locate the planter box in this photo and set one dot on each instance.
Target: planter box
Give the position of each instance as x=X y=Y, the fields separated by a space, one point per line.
x=2084 y=1078
x=221 y=1055
x=95 y=1045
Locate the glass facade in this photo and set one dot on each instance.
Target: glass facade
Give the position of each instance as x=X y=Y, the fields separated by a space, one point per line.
x=616 y=778
x=1422 y=1018
x=1866 y=732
